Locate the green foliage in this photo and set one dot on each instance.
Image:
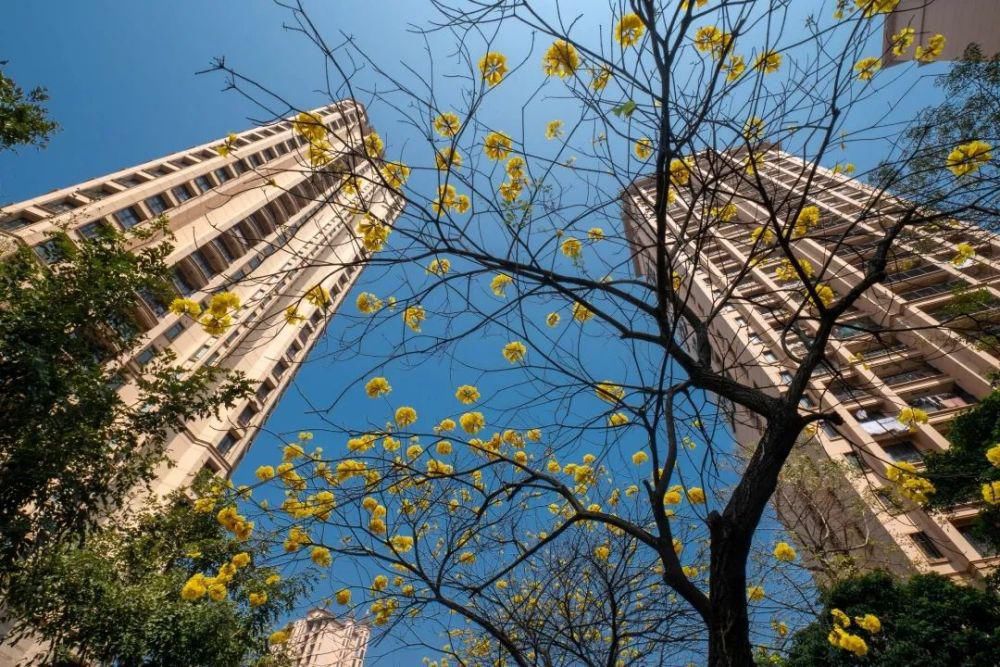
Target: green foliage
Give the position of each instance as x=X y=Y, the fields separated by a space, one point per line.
x=24 y=119
x=926 y=620
x=116 y=599
x=959 y=473
x=70 y=446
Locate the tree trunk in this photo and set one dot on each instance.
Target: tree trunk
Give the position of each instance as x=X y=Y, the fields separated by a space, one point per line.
x=728 y=625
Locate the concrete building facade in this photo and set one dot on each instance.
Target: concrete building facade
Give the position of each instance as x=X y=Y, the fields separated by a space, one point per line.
x=901 y=345
x=321 y=639
x=260 y=222
x=962 y=22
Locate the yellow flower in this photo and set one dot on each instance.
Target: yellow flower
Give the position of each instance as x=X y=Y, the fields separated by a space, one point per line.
x=767 y=62
x=561 y=59
x=368 y=303
x=373 y=144
x=257 y=599
x=640 y=457
x=963 y=253
x=514 y=351
x=493 y=67
x=595 y=234
x=930 y=53
x=344 y=596
x=377 y=386
x=909 y=484
x=401 y=543
x=309 y=125
x=380 y=582
x=293 y=316
x=413 y=316
x=785 y=271
x=499 y=284
x=497 y=145
x=217 y=592
x=278 y=637
x=515 y=167
x=395 y=174
x=553 y=129
x=443 y=447
x=902 y=40
x=993 y=455
x=869 y=622
x=763 y=234
x=629 y=30
x=242 y=559
x=467 y=558
x=609 y=392
x=185 y=307
x=870 y=8
x=600 y=78
x=753 y=129
x=734 y=67
x=618 y=419
x=602 y=552
x=581 y=313
x=511 y=190
x=572 y=248
x=784 y=551
x=643 y=148
x=845 y=640
x=552 y=319
x=447 y=124
x=991 y=492
x=696 y=495
x=969 y=157
x=755 y=593
x=448 y=158
x=467 y=394
x=825 y=294
x=866 y=67
x=321 y=556
x=472 y=422
x=405 y=416
x=195 y=588
x=265 y=473
x=911 y=417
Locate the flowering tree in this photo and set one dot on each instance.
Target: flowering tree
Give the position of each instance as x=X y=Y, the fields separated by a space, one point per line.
x=574 y=497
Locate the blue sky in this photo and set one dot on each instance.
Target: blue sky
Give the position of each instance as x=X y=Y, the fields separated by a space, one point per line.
x=122 y=76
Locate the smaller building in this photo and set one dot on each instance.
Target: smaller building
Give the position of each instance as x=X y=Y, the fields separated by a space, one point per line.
x=321 y=639
x=962 y=22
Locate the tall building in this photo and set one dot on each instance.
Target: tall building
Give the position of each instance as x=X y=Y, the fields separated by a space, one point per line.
x=901 y=345
x=962 y=22
x=259 y=222
x=323 y=640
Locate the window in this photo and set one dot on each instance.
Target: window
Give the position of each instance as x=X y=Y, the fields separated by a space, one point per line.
x=786 y=377
x=247 y=415
x=154 y=302
x=280 y=368
x=157 y=204
x=264 y=390
x=982 y=547
x=222 y=174
x=203 y=184
x=227 y=442
x=241 y=167
x=926 y=545
x=769 y=357
x=49 y=251
x=904 y=451
x=202 y=262
x=256 y=160
x=181 y=283
x=145 y=356
x=856 y=462
x=173 y=332
x=10 y=224
x=61 y=206
x=181 y=193
x=221 y=248
x=127 y=217
x=202 y=351
x=90 y=230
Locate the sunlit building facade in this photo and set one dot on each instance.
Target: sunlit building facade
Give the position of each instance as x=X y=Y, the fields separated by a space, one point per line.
x=260 y=222
x=903 y=344
x=322 y=639
x=962 y=22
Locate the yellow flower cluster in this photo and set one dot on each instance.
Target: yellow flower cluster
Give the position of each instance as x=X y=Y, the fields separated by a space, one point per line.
x=786 y=270
x=439 y=267
x=448 y=158
x=643 y=148
x=784 y=551
x=629 y=30
x=808 y=217
x=561 y=59
x=867 y=67
x=235 y=523
x=712 y=40
x=466 y=394
x=217 y=318
x=842 y=639
x=908 y=482
x=581 y=313
x=499 y=284
x=368 y=303
x=871 y=8
x=911 y=417
x=931 y=51
x=993 y=455
x=448 y=199
x=767 y=62
x=373 y=232
x=969 y=157
x=902 y=40
x=447 y=124
x=493 y=67
x=963 y=253
x=413 y=316
x=609 y=392
x=553 y=129
x=198 y=586
x=319 y=296
x=991 y=492
x=497 y=145
x=514 y=351
x=572 y=248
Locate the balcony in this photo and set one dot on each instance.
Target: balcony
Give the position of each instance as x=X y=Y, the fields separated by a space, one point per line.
x=933 y=290
x=910 y=274
x=875 y=422
x=912 y=375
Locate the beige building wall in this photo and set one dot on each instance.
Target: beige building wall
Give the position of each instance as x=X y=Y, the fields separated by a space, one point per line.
x=962 y=22
x=259 y=222
x=323 y=640
x=918 y=357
